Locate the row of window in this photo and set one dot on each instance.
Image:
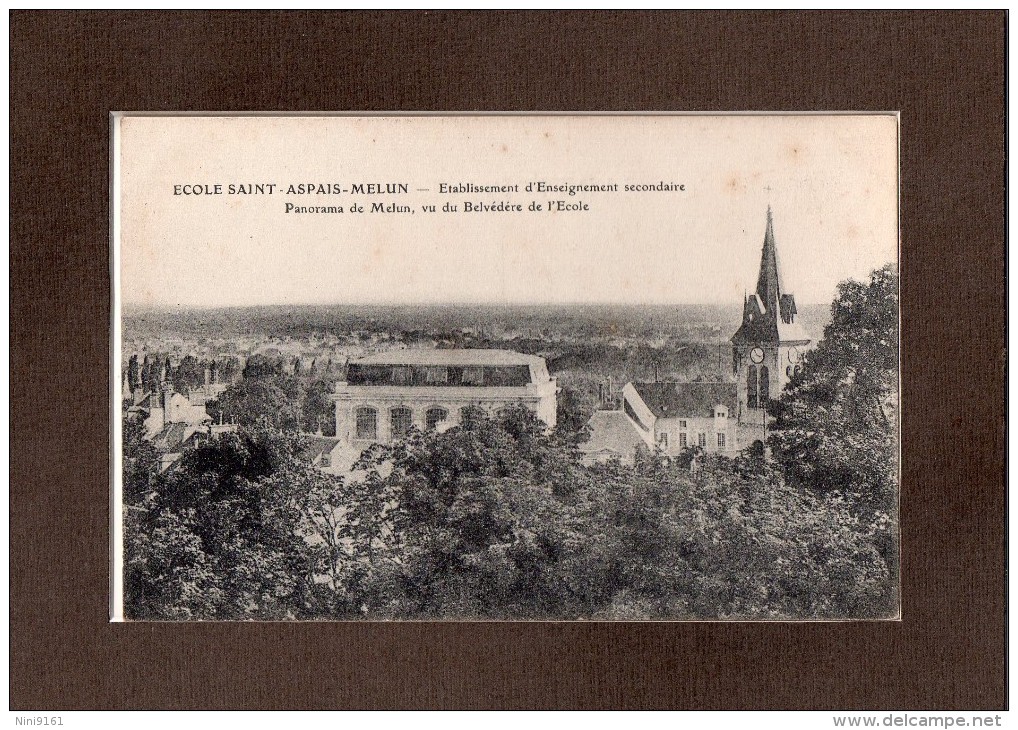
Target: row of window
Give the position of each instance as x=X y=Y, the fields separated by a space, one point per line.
x=701 y=440
x=401 y=420
x=498 y=375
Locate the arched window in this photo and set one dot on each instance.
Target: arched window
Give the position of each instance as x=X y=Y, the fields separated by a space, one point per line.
x=434 y=416
x=367 y=423
x=765 y=386
x=400 y=419
x=751 y=397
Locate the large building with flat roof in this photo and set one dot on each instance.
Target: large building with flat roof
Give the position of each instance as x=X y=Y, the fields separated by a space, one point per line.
x=387 y=394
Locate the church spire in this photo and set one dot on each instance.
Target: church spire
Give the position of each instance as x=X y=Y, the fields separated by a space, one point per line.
x=769 y=312
x=769 y=285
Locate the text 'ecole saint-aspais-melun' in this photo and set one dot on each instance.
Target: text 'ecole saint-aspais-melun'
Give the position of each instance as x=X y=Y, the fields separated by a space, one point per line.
x=404 y=188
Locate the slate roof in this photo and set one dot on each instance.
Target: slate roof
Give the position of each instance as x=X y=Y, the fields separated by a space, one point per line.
x=449 y=357
x=769 y=312
x=690 y=400
x=144 y=404
x=792 y=332
x=172 y=436
x=321 y=445
x=770 y=285
x=612 y=431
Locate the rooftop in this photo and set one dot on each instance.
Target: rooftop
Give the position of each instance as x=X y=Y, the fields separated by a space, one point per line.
x=769 y=312
x=449 y=357
x=172 y=436
x=321 y=445
x=612 y=431
x=692 y=400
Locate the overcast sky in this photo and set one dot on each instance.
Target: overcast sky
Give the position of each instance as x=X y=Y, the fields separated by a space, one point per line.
x=831 y=181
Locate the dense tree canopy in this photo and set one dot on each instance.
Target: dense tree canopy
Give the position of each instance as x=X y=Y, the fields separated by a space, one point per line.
x=189 y=374
x=284 y=401
x=494 y=519
x=835 y=425
x=211 y=539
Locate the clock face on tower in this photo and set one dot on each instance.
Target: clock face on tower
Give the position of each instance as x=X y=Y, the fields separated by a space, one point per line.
x=757 y=355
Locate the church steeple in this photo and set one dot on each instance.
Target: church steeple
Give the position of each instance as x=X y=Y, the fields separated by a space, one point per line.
x=767 y=349
x=769 y=312
x=769 y=286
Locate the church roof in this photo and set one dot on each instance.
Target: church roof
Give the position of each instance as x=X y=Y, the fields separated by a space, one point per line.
x=769 y=284
x=689 y=400
x=792 y=332
x=769 y=312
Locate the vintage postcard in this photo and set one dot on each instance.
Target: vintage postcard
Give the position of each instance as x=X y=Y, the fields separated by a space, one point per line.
x=505 y=367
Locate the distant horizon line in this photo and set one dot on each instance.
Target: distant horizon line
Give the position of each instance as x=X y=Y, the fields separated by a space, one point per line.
x=199 y=307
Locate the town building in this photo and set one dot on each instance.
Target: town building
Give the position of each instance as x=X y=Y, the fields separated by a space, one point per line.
x=612 y=436
x=173 y=422
x=387 y=394
x=725 y=416
x=164 y=407
x=329 y=454
x=675 y=416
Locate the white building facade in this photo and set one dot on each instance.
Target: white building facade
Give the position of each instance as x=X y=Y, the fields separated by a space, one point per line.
x=676 y=416
x=385 y=395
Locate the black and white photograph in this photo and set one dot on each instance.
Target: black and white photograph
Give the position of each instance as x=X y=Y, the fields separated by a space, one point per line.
x=505 y=367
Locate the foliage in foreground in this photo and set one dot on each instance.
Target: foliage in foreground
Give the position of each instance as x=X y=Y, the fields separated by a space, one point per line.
x=492 y=520
x=497 y=519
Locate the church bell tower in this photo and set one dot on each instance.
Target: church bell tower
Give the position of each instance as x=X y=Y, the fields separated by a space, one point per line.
x=768 y=348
